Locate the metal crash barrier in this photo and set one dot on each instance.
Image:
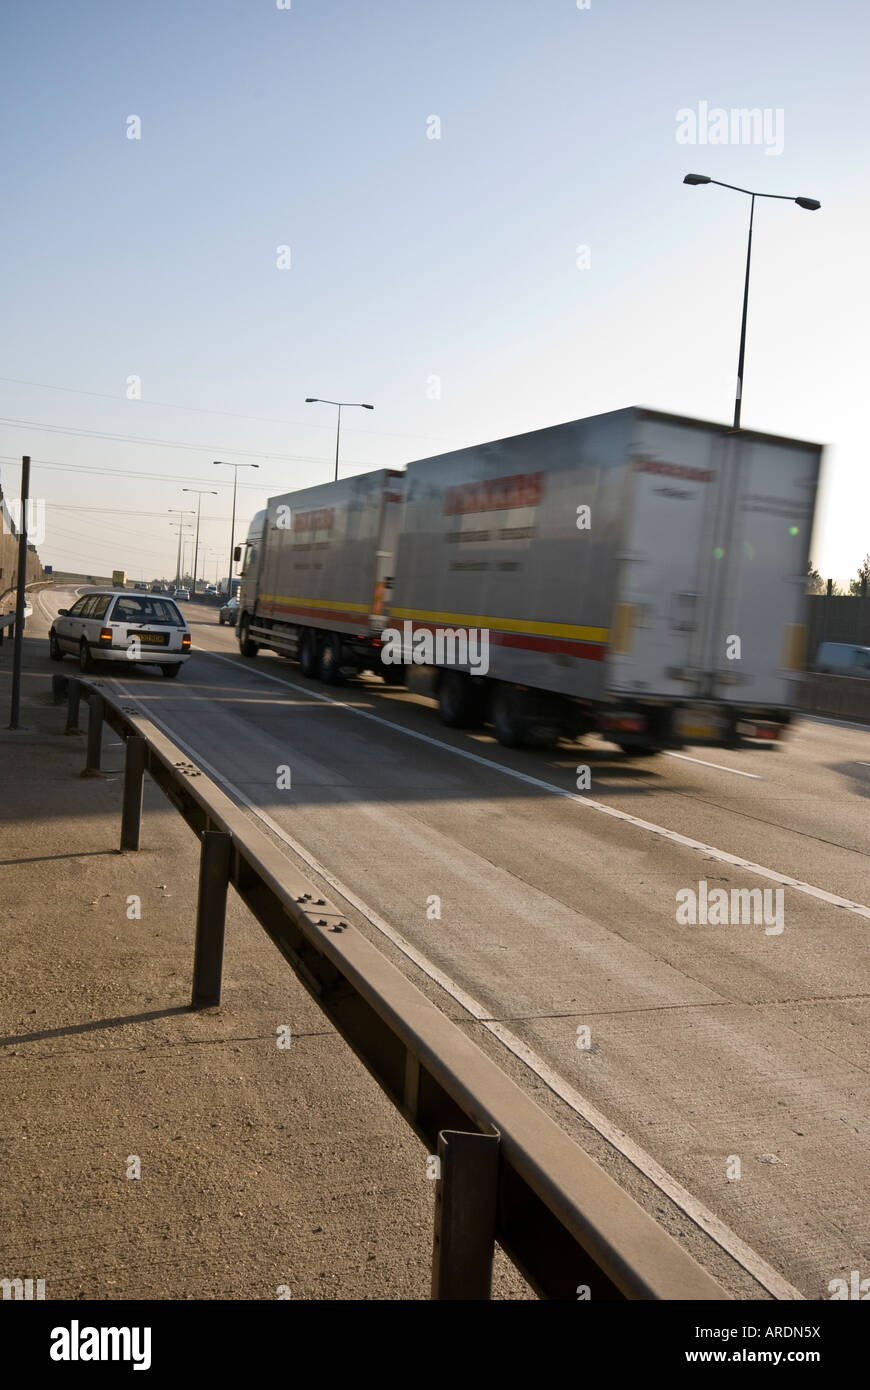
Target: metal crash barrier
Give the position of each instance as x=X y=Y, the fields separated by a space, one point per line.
x=508 y=1172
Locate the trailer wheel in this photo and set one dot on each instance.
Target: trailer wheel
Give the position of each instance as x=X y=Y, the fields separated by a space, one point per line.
x=732 y=738
x=329 y=666
x=394 y=675
x=507 y=718
x=246 y=646
x=460 y=702
x=308 y=655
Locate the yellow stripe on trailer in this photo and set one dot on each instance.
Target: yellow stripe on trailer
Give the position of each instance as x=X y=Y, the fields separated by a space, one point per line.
x=520 y=625
x=317 y=603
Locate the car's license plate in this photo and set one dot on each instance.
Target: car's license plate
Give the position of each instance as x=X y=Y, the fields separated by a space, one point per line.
x=698 y=723
x=156 y=639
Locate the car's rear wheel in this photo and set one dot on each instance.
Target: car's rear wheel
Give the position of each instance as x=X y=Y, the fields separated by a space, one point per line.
x=54 y=648
x=171 y=670
x=86 y=661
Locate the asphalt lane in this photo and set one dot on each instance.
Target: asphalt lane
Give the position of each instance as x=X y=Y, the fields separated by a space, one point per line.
x=733 y=1056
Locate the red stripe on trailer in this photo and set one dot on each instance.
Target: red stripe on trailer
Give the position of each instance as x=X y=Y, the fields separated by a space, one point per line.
x=567 y=646
x=336 y=614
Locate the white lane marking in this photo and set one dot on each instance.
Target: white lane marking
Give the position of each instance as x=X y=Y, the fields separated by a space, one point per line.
x=864 y=764
x=684 y=757
x=705 y=1219
x=601 y=807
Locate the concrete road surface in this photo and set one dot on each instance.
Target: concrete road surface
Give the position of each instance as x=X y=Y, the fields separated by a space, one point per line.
x=717 y=1069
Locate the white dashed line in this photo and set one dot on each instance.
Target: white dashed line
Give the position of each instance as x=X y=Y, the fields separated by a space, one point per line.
x=736 y=770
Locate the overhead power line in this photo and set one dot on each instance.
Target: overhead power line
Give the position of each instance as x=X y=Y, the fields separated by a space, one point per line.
x=121 y=472
x=164 y=443
x=200 y=410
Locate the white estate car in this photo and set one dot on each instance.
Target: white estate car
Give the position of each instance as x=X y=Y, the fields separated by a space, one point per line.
x=119 y=626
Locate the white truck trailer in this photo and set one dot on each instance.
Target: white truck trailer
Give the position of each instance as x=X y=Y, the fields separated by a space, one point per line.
x=635 y=573
x=318 y=566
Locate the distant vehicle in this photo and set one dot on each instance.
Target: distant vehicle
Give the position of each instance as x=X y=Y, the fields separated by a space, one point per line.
x=229 y=612
x=158 y=588
x=142 y=587
x=843 y=659
x=181 y=593
x=120 y=626
x=119 y=579
x=211 y=589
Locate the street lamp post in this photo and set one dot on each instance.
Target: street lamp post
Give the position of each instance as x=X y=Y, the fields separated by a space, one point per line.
x=200 y=493
x=177 y=511
x=356 y=405
x=810 y=204
x=218 y=463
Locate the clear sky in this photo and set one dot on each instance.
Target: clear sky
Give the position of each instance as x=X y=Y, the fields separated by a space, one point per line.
x=413 y=258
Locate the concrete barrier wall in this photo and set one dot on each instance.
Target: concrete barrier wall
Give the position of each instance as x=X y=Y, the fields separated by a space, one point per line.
x=9 y=563
x=837 y=619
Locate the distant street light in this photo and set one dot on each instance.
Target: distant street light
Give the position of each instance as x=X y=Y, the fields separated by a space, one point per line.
x=235 y=467
x=176 y=511
x=356 y=405
x=810 y=204
x=200 y=493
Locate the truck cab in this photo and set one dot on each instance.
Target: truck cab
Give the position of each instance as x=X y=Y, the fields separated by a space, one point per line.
x=250 y=555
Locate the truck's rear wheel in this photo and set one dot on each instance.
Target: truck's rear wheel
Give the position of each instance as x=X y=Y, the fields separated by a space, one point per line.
x=460 y=702
x=246 y=646
x=507 y=717
x=308 y=654
x=330 y=659
x=638 y=750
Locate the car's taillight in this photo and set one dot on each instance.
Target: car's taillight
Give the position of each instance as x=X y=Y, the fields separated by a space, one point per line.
x=106 y=636
x=185 y=642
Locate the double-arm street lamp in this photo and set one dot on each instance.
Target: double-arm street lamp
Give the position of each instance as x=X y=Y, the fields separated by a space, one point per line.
x=356 y=405
x=218 y=463
x=810 y=204
x=200 y=493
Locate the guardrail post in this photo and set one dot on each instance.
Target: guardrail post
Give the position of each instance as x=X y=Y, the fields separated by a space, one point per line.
x=134 y=781
x=465 y=1215
x=95 y=731
x=74 y=692
x=208 y=958
x=59 y=688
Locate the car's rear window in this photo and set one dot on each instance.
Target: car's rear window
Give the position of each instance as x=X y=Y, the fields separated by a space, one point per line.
x=94 y=606
x=145 y=608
